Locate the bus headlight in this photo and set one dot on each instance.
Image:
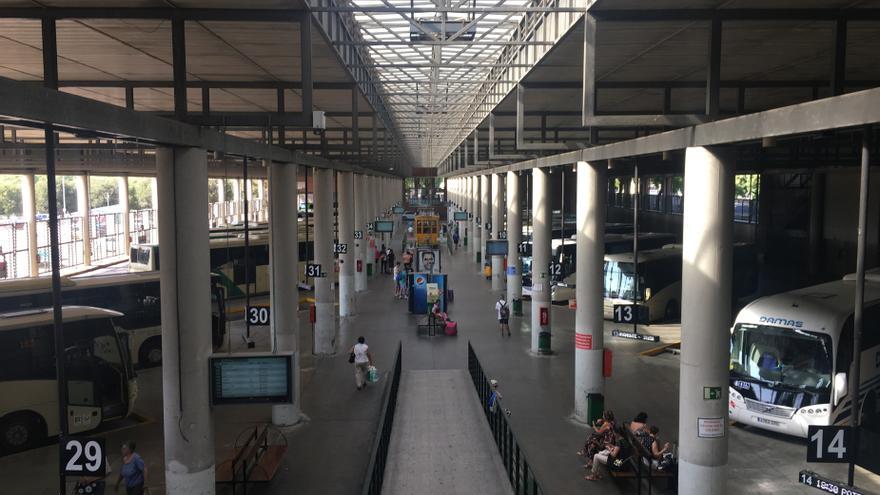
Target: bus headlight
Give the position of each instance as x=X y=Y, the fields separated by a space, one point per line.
x=647 y=293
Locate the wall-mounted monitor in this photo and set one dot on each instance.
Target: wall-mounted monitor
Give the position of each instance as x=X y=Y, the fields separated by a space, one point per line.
x=460 y=216
x=397 y=210
x=384 y=226
x=496 y=248
x=251 y=378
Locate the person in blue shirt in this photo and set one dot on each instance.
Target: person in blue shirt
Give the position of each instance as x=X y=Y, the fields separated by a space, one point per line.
x=134 y=470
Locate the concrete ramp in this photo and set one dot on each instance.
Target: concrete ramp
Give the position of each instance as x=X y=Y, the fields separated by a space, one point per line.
x=441 y=443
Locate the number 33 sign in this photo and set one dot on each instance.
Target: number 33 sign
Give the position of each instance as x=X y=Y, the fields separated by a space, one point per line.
x=84 y=457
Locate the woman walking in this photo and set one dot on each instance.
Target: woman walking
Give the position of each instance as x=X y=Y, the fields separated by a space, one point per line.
x=362 y=359
x=134 y=470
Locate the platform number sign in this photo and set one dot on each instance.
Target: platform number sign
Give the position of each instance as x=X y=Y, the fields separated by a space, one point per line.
x=830 y=444
x=358 y=234
x=340 y=248
x=502 y=235
x=630 y=313
x=370 y=227
x=555 y=269
x=314 y=270
x=523 y=248
x=84 y=457
x=258 y=315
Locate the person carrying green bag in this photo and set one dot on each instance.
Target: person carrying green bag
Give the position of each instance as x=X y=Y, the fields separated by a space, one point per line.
x=362 y=359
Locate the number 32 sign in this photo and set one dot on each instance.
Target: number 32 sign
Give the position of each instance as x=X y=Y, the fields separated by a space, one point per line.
x=84 y=457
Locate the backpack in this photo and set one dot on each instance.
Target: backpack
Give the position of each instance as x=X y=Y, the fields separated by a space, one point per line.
x=505 y=311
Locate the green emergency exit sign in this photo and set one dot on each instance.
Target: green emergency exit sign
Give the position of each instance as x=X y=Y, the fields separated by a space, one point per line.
x=711 y=393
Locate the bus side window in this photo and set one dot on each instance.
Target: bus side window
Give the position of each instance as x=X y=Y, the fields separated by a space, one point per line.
x=27 y=354
x=845 y=347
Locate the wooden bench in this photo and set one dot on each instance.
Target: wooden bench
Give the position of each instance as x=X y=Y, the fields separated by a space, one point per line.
x=254 y=459
x=639 y=465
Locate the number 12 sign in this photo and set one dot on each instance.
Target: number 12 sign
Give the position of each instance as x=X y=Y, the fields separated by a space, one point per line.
x=84 y=457
x=830 y=444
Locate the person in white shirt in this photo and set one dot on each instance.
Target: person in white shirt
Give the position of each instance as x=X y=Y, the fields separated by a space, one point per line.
x=503 y=315
x=362 y=359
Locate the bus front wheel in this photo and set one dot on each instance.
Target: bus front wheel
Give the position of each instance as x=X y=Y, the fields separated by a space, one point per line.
x=21 y=431
x=150 y=354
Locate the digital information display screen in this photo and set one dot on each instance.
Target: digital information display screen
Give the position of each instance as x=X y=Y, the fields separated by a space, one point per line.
x=384 y=226
x=496 y=248
x=460 y=216
x=252 y=378
x=397 y=210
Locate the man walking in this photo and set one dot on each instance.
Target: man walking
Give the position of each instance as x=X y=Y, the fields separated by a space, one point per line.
x=503 y=315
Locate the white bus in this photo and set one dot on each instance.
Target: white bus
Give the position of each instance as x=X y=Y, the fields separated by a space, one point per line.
x=100 y=381
x=659 y=280
x=790 y=357
x=135 y=295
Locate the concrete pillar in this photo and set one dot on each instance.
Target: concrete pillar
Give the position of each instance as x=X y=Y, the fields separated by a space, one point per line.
x=360 y=225
x=185 y=275
x=345 y=200
x=284 y=266
x=705 y=321
x=122 y=186
x=29 y=212
x=261 y=199
x=237 y=206
x=475 y=219
x=589 y=319
x=498 y=277
x=82 y=209
x=325 y=324
x=541 y=231
x=514 y=238
x=221 y=201
x=485 y=215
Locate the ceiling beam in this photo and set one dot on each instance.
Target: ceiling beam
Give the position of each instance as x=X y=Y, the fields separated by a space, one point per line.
x=781 y=14
x=250 y=15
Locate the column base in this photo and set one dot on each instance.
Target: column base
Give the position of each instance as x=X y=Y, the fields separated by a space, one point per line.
x=325 y=328
x=179 y=480
x=693 y=479
x=284 y=415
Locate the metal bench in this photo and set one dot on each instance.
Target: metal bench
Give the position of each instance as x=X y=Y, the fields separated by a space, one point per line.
x=639 y=466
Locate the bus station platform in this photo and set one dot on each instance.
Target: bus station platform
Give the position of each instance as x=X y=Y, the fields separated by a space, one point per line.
x=440 y=433
x=441 y=443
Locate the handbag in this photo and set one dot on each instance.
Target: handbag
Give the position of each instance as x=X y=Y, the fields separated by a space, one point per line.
x=351 y=357
x=372 y=374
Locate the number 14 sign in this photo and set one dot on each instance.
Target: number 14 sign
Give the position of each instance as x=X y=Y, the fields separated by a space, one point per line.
x=830 y=444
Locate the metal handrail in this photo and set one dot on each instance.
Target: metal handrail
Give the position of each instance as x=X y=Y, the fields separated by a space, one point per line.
x=375 y=474
x=521 y=476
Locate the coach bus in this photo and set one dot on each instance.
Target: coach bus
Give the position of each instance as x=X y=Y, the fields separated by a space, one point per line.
x=135 y=295
x=100 y=381
x=790 y=357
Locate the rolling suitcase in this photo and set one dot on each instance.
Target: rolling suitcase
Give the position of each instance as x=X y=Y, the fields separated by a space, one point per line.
x=451 y=328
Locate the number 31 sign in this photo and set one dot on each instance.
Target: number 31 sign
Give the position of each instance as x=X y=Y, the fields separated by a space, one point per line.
x=84 y=457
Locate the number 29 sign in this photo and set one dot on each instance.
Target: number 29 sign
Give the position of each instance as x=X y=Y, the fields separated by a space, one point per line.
x=84 y=457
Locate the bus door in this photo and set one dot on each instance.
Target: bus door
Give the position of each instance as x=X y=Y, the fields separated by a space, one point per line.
x=84 y=410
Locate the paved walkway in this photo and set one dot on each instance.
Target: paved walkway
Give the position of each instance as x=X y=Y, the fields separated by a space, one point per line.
x=441 y=443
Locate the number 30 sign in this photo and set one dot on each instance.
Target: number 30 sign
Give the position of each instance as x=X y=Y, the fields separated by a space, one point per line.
x=84 y=457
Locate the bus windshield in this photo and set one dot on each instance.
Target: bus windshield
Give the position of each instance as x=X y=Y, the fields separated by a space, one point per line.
x=781 y=356
x=619 y=280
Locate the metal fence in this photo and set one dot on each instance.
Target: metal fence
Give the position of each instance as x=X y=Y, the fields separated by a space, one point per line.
x=144 y=226
x=14 y=260
x=106 y=235
x=70 y=240
x=745 y=210
x=375 y=475
x=521 y=476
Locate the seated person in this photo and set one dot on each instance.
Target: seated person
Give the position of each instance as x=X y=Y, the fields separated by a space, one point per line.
x=652 y=443
x=639 y=424
x=439 y=316
x=603 y=432
x=613 y=455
